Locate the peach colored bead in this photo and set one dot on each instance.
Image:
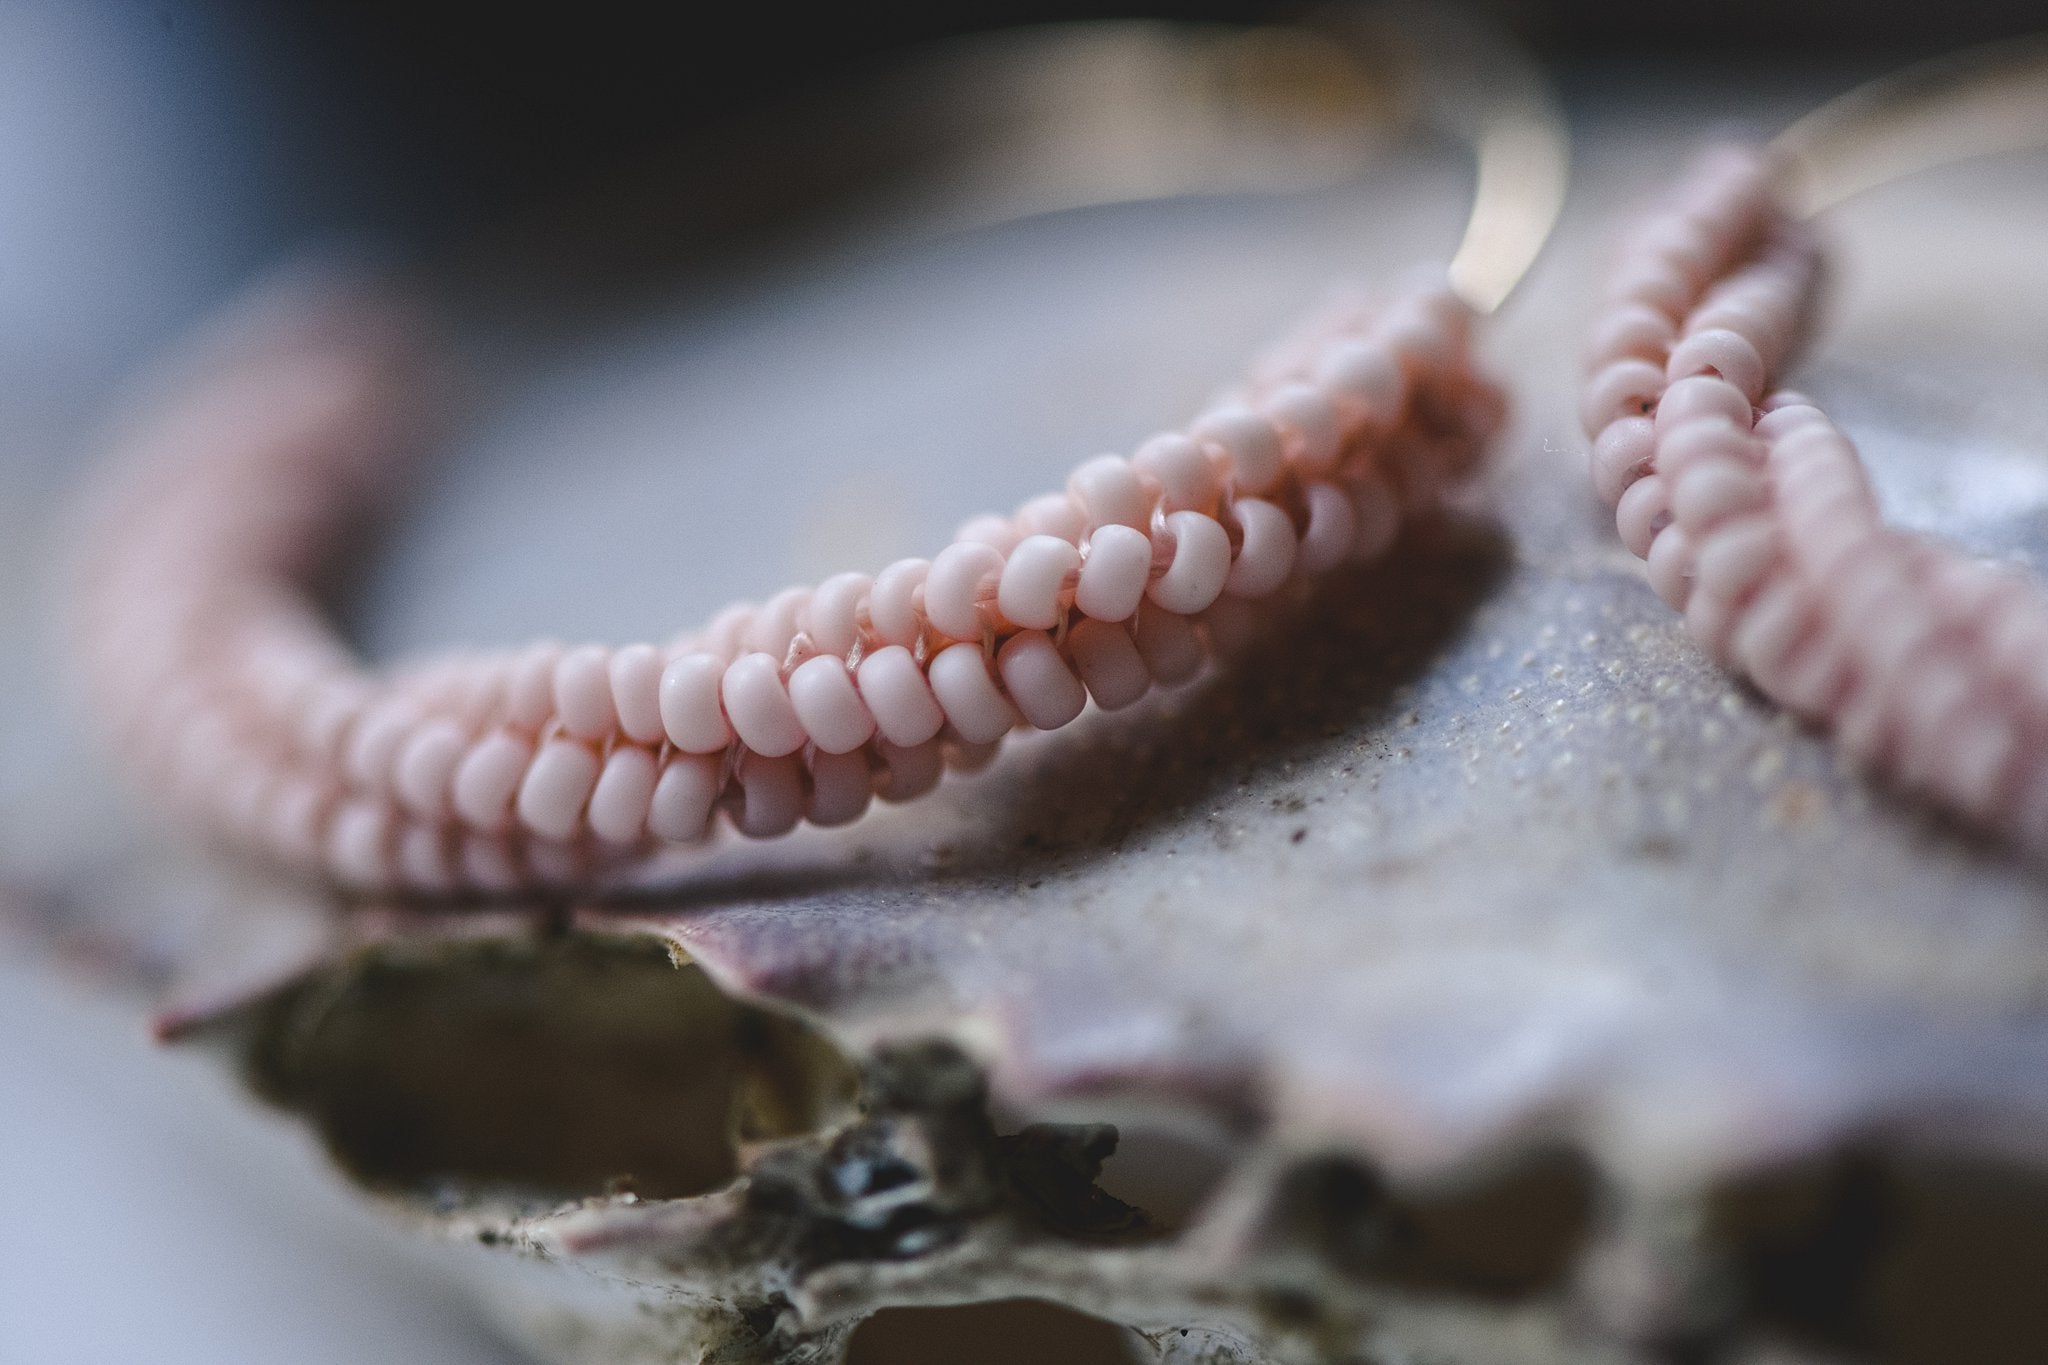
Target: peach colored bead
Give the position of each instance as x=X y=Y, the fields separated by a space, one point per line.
x=1041 y=686
x=758 y=708
x=775 y=625
x=684 y=795
x=1710 y=492
x=1772 y=630
x=961 y=579
x=1644 y=510
x=1201 y=563
x=1187 y=479
x=975 y=707
x=530 y=688
x=770 y=795
x=1698 y=397
x=828 y=706
x=487 y=777
x=841 y=788
x=901 y=701
x=1621 y=455
x=559 y=781
x=1311 y=431
x=833 y=617
x=1111 y=492
x=1415 y=335
x=374 y=743
x=1707 y=440
x=1670 y=566
x=487 y=864
x=692 y=715
x=1167 y=642
x=1265 y=557
x=1633 y=331
x=1332 y=528
x=422 y=859
x=1034 y=579
x=583 y=693
x=635 y=677
x=1052 y=514
x=1113 y=576
x=1655 y=285
x=426 y=767
x=1248 y=442
x=358 y=842
x=997 y=532
x=624 y=790
x=909 y=771
x=1627 y=388
x=1365 y=382
x=892 y=606
x=1718 y=351
x=1108 y=663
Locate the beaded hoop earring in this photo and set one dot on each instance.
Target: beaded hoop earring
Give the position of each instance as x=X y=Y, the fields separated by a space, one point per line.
x=1752 y=509
x=222 y=683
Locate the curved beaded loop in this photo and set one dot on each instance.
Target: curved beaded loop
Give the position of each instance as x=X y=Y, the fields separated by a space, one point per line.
x=490 y=771
x=1757 y=521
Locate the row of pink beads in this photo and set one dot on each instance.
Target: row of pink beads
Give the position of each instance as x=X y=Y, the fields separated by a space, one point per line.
x=549 y=765
x=1757 y=521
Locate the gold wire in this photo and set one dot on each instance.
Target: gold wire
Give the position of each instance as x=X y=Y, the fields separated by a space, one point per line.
x=1980 y=102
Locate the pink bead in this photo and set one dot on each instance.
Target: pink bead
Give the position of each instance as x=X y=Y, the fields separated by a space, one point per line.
x=358 y=843
x=1114 y=574
x=775 y=625
x=423 y=860
x=1416 y=336
x=896 y=694
x=771 y=795
x=833 y=618
x=1187 y=478
x=1670 y=566
x=961 y=579
x=1111 y=493
x=1717 y=351
x=841 y=788
x=1247 y=441
x=487 y=864
x=1627 y=388
x=967 y=691
x=1332 y=528
x=1109 y=664
x=1621 y=455
x=1052 y=514
x=1702 y=396
x=1365 y=382
x=1168 y=644
x=1201 y=563
x=583 y=693
x=530 y=690
x=1038 y=680
x=1644 y=510
x=374 y=743
x=999 y=533
x=827 y=705
x=487 y=777
x=1771 y=631
x=1265 y=557
x=909 y=771
x=1710 y=492
x=557 y=784
x=758 y=707
x=1034 y=579
x=1707 y=441
x=1311 y=432
x=1631 y=331
x=625 y=789
x=1655 y=285
x=635 y=677
x=892 y=607
x=680 y=809
x=426 y=767
x=691 y=713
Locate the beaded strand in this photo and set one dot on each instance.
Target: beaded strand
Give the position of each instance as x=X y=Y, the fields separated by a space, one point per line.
x=549 y=765
x=1757 y=521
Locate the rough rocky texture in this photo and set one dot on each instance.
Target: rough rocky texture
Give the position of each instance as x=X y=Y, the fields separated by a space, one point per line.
x=1483 y=979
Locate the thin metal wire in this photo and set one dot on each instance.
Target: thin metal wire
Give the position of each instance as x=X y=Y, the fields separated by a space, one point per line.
x=1983 y=101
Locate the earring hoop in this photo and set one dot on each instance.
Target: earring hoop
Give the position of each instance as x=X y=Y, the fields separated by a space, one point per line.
x=222 y=684
x=1752 y=509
